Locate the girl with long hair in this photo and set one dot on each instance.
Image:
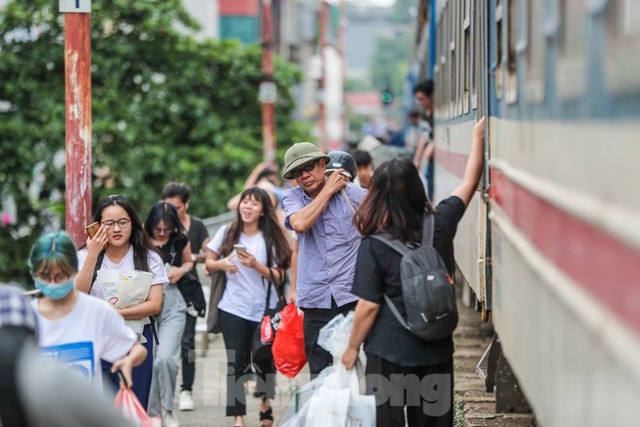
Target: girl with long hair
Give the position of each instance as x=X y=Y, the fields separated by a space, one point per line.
x=168 y=235
x=122 y=244
x=250 y=251
x=397 y=205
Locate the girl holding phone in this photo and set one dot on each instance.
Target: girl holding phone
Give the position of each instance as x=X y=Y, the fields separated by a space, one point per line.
x=267 y=252
x=122 y=244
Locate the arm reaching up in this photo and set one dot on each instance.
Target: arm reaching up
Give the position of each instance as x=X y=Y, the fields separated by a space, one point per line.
x=473 y=170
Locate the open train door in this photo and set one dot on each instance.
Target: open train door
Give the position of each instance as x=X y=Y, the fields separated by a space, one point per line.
x=480 y=102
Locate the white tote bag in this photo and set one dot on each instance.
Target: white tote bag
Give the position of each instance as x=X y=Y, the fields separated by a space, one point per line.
x=126 y=288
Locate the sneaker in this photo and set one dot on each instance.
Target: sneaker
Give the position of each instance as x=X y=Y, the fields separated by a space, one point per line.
x=185 y=401
x=169 y=419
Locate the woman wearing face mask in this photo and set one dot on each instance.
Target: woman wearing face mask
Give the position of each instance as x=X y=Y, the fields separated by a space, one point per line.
x=168 y=235
x=262 y=249
x=75 y=328
x=122 y=244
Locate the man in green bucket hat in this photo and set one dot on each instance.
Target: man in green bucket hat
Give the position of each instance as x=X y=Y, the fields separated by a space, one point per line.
x=321 y=210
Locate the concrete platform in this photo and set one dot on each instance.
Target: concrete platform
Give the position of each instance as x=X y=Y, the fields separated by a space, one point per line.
x=209 y=391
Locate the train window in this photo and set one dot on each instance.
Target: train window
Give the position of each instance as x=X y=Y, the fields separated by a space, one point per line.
x=499 y=77
x=476 y=54
x=453 y=74
x=535 y=53
x=467 y=56
x=573 y=42
x=510 y=61
x=460 y=54
x=622 y=54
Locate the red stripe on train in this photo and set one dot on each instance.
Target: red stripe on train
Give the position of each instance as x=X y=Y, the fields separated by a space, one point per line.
x=605 y=267
x=453 y=162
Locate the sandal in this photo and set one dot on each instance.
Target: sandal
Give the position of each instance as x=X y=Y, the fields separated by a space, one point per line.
x=266 y=418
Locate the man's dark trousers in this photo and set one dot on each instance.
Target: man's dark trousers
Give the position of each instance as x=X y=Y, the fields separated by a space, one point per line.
x=314 y=320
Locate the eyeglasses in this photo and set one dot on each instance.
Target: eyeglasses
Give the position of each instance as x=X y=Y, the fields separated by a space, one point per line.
x=123 y=223
x=58 y=278
x=306 y=168
x=159 y=230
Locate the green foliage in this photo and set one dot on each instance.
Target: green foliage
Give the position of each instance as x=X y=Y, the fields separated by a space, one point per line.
x=459 y=412
x=388 y=66
x=402 y=10
x=165 y=107
x=357 y=85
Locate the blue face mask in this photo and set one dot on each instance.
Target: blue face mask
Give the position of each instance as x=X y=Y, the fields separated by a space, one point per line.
x=55 y=291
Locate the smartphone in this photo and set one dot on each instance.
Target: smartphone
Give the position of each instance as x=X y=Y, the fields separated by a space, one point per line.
x=92 y=229
x=240 y=248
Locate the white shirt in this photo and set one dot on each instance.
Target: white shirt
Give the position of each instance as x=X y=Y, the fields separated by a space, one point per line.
x=92 y=330
x=154 y=261
x=245 y=293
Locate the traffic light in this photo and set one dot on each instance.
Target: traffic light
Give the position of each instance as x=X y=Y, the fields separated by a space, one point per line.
x=386 y=97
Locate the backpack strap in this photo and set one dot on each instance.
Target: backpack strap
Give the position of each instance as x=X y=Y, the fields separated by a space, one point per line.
x=97 y=267
x=402 y=249
x=394 y=244
x=428 y=229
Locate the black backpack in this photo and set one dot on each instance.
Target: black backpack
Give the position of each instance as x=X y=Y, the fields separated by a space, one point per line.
x=427 y=287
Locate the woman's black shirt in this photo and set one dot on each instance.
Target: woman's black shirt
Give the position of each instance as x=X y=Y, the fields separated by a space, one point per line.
x=378 y=272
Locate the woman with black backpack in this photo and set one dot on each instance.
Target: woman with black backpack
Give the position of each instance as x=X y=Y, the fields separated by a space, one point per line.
x=411 y=373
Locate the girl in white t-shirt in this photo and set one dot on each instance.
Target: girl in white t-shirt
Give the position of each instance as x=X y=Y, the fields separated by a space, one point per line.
x=75 y=328
x=241 y=251
x=122 y=244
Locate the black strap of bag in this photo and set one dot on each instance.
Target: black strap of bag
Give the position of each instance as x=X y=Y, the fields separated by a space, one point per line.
x=96 y=268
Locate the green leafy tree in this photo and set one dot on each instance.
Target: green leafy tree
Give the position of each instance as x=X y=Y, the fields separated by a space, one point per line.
x=402 y=10
x=165 y=107
x=388 y=65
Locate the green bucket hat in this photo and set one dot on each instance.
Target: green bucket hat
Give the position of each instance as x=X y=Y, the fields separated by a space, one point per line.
x=299 y=154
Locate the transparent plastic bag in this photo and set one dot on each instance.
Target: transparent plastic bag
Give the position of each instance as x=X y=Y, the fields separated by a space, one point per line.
x=334 y=336
x=335 y=401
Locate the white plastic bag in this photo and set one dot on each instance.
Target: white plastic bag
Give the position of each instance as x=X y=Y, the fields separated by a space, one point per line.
x=296 y=413
x=334 y=336
x=337 y=402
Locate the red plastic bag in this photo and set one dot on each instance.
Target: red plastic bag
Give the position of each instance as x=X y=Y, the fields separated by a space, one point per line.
x=266 y=330
x=132 y=409
x=288 y=346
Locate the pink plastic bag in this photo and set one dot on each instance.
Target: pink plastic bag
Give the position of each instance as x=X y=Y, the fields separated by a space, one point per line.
x=132 y=409
x=288 y=346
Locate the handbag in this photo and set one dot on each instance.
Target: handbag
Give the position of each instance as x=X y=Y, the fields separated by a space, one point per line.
x=191 y=291
x=218 y=284
x=264 y=335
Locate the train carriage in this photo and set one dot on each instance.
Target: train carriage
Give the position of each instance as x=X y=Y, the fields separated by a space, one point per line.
x=549 y=249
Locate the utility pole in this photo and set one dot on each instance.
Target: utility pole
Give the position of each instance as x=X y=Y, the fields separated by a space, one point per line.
x=343 y=71
x=77 y=64
x=268 y=90
x=322 y=43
